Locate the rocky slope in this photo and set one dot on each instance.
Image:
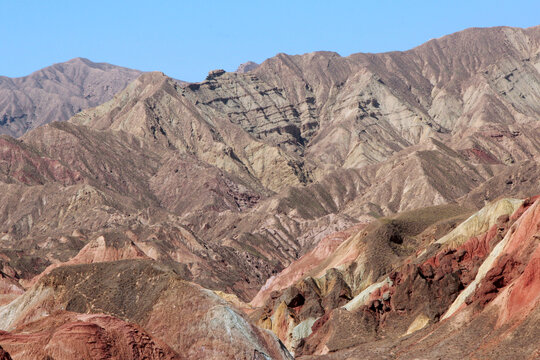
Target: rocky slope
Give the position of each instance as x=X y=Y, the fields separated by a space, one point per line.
x=196 y=322
x=57 y=92
x=66 y=335
x=252 y=145
x=417 y=294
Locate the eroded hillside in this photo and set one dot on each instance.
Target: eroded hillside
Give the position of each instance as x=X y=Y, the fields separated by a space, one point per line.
x=376 y=204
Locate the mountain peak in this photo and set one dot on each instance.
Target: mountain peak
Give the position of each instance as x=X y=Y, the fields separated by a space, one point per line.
x=63 y=89
x=80 y=60
x=246 y=67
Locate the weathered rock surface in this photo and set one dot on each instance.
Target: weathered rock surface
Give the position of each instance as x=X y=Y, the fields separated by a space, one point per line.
x=67 y=335
x=476 y=282
x=193 y=321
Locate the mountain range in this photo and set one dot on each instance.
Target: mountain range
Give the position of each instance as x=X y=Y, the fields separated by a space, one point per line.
x=376 y=205
x=58 y=92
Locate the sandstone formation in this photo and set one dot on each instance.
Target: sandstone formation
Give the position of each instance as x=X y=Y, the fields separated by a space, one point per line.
x=475 y=282
x=195 y=322
x=66 y=335
x=57 y=92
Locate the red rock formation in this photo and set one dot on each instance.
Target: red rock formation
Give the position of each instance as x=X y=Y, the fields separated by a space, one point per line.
x=516 y=270
x=405 y=312
x=304 y=265
x=525 y=292
x=69 y=336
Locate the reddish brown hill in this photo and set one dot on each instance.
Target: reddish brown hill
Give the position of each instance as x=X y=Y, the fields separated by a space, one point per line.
x=282 y=156
x=473 y=293
x=66 y=335
x=193 y=321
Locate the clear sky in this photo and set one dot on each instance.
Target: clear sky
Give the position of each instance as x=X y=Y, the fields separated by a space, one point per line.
x=186 y=39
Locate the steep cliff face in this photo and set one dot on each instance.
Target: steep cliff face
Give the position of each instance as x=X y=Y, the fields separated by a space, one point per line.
x=58 y=92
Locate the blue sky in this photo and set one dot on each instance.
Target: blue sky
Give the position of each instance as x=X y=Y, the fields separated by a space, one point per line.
x=186 y=39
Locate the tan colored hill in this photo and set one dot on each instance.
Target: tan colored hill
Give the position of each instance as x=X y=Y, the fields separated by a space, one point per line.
x=57 y=92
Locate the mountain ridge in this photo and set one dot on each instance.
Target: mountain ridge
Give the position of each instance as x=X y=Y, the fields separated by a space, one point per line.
x=57 y=92
x=316 y=193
